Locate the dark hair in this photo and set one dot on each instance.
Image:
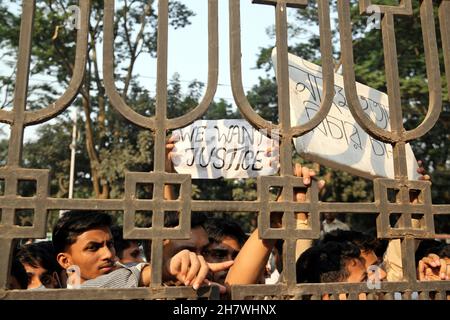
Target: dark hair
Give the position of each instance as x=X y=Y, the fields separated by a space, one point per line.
x=19 y=273
x=444 y=251
x=39 y=254
x=326 y=262
x=219 y=228
x=363 y=241
x=428 y=246
x=74 y=223
x=120 y=244
x=171 y=220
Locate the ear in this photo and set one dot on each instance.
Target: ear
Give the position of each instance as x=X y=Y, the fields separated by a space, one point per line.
x=64 y=259
x=353 y=262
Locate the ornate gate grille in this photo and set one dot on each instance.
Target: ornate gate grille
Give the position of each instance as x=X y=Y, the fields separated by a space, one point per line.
x=41 y=203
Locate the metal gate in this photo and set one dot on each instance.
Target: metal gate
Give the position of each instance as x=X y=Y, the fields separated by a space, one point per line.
x=41 y=203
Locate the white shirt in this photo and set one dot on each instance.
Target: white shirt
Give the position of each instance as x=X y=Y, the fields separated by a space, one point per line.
x=334 y=225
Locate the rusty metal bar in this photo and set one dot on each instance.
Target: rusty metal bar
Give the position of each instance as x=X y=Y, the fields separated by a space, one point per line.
x=110 y=294
x=161 y=86
x=21 y=86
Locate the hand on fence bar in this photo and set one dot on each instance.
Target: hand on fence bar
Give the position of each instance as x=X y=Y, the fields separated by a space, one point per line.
x=252 y=259
x=170 y=145
x=189 y=268
x=169 y=193
x=414 y=194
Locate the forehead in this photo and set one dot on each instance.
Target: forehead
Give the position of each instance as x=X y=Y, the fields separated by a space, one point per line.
x=100 y=234
x=132 y=245
x=199 y=239
x=227 y=243
x=36 y=270
x=369 y=256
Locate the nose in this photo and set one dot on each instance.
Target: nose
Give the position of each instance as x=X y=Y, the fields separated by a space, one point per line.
x=108 y=253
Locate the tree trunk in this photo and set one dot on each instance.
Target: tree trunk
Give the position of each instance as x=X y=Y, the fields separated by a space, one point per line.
x=101 y=187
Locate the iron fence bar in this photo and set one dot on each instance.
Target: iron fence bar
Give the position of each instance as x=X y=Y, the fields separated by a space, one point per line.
x=21 y=85
x=111 y=294
x=243 y=291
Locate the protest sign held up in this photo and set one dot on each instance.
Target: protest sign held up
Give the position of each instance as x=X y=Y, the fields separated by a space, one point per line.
x=231 y=148
x=338 y=141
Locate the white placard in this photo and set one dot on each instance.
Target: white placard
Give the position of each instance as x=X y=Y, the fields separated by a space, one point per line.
x=339 y=141
x=231 y=148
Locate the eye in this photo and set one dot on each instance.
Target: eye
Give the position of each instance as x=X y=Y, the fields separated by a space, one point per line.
x=92 y=247
x=135 y=254
x=46 y=279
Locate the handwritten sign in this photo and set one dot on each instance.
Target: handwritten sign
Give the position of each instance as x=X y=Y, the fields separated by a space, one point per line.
x=209 y=149
x=339 y=142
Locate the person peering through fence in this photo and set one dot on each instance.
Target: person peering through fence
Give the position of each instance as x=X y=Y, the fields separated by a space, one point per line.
x=84 y=240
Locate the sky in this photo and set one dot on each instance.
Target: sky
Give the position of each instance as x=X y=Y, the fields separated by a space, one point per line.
x=188 y=54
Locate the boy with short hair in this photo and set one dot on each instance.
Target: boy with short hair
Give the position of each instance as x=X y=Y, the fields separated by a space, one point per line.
x=84 y=239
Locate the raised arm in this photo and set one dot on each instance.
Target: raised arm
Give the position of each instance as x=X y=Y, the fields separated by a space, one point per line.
x=251 y=260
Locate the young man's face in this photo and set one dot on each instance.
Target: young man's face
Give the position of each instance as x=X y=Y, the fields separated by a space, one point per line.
x=197 y=243
x=357 y=270
x=34 y=275
x=371 y=259
x=132 y=254
x=226 y=250
x=93 y=252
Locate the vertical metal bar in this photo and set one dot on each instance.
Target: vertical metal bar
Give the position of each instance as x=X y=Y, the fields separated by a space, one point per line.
x=393 y=86
x=161 y=86
x=408 y=261
x=289 y=266
x=158 y=214
x=73 y=148
x=6 y=257
x=156 y=261
x=21 y=87
x=283 y=92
